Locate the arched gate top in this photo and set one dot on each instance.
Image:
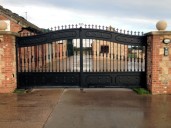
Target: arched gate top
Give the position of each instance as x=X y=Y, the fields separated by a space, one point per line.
x=81 y=33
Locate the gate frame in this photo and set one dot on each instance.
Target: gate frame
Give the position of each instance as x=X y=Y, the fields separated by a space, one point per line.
x=85 y=33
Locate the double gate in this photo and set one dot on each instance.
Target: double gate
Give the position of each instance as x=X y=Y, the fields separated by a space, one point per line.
x=89 y=56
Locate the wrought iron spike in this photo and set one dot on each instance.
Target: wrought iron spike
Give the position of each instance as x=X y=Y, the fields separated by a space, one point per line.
x=103 y=27
x=55 y=28
x=131 y=32
x=128 y=32
x=89 y=26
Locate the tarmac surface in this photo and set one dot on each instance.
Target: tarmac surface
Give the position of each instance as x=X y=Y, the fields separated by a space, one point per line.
x=92 y=108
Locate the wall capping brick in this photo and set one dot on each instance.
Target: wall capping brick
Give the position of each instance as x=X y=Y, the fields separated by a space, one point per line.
x=9 y=33
x=158 y=33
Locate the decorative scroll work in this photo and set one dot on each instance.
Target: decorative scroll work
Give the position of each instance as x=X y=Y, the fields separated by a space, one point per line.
x=98 y=35
x=45 y=38
x=90 y=80
x=114 y=37
x=129 y=39
x=78 y=33
x=134 y=80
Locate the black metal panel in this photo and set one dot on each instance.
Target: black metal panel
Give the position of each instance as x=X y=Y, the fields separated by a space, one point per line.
x=48 y=37
x=36 y=79
x=113 y=37
x=117 y=79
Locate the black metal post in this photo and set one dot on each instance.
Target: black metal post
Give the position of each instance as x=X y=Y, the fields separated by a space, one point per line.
x=81 y=59
x=17 y=58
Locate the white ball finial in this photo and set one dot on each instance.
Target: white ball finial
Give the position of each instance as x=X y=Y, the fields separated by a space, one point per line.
x=161 y=25
x=3 y=25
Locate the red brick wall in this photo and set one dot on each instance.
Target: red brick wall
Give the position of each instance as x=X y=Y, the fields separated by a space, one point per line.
x=158 y=65
x=7 y=63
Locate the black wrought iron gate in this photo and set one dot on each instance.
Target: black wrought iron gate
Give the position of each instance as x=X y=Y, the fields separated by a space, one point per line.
x=89 y=56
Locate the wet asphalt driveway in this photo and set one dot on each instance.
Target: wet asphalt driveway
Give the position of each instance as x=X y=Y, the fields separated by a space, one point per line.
x=93 y=108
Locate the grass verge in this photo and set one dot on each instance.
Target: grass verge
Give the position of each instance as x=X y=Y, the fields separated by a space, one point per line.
x=141 y=91
x=21 y=91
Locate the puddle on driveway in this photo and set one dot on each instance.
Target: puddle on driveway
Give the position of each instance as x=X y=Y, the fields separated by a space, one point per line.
x=29 y=110
x=107 y=108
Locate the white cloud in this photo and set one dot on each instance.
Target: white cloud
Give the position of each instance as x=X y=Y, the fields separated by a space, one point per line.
x=139 y=15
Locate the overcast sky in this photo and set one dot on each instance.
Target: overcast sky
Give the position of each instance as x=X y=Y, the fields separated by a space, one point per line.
x=136 y=15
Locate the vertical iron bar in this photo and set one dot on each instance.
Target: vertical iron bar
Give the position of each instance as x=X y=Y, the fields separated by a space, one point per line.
x=56 y=57
x=63 y=56
x=31 y=57
x=120 y=58
x=110 y=51
x=143 y=60
x=135 y=50
x=49 y=57
x=20 y=61
x=81 y=59
x=103 y=55
x=73 y=54
x=128 y=52
x=66 y=54
x=138 y=57
x=24 y=60
x=107 y=52
x=86 y=54
x=52 y=55
x=42 y=57
x=131 y=57
x=99 y=58
x=76 y=55
x=124 y=58
x=117 y=57
x=45 y=57
x=113 y=45
x=68 y=57
x=39 y=58
x=59 y=56
x=27 y=59
x=96 y=53
x=89 y=55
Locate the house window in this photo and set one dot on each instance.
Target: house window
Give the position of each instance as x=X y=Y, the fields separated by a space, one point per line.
x=104 y=49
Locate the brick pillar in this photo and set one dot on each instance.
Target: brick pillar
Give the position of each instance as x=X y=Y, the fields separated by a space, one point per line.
x=158 y=65
x=8 y=77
